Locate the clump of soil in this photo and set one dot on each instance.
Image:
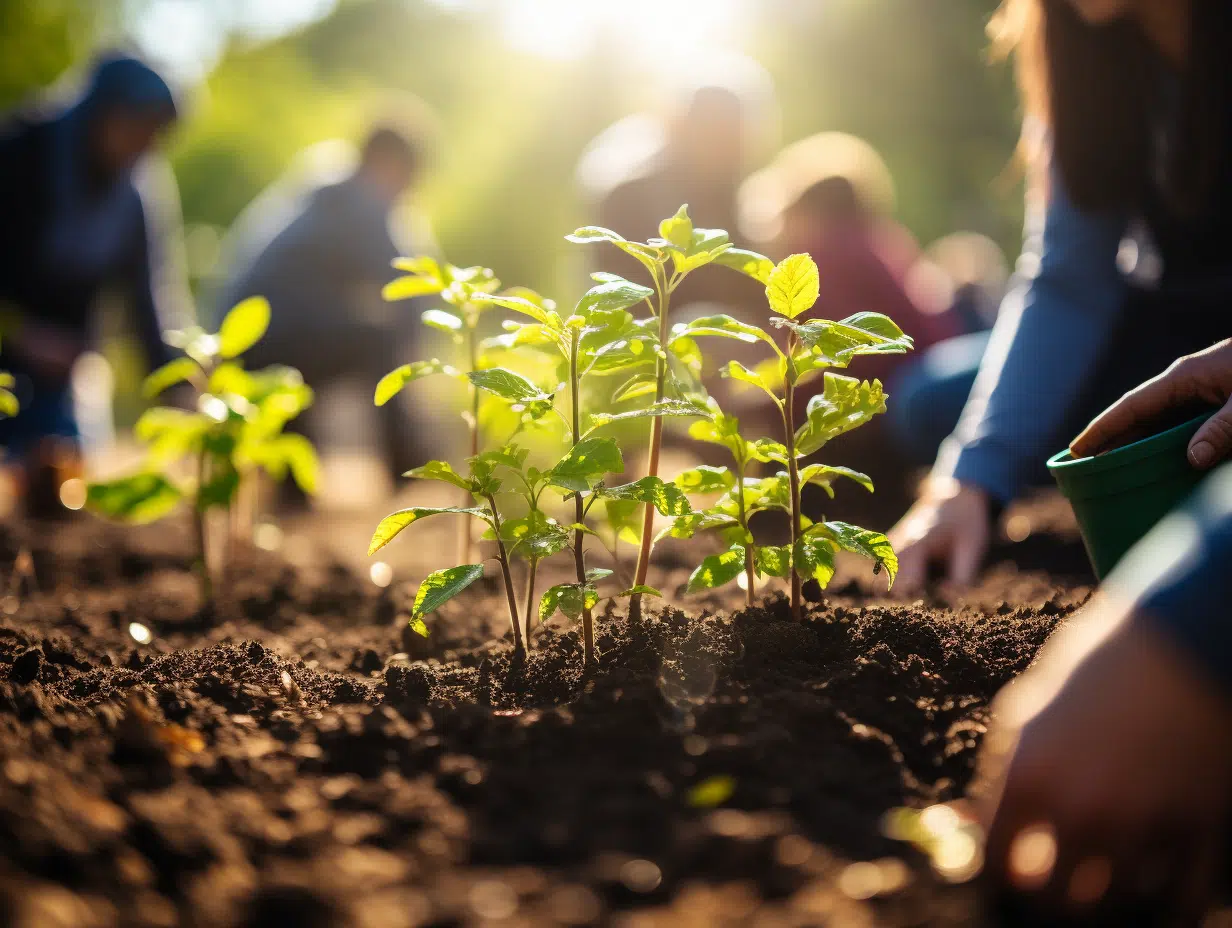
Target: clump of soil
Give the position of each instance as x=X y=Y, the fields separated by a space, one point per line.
x=295 y=758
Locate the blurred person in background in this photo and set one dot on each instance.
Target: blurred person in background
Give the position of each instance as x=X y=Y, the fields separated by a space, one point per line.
x=82 y=211
x=320 y=252
x=640 y=170
x=1128 y=259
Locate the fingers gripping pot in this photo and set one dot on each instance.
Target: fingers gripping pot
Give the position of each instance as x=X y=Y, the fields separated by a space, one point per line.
x=1119 y=495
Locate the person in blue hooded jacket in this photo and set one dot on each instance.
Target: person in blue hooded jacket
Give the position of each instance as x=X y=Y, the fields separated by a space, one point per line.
x=72 y=227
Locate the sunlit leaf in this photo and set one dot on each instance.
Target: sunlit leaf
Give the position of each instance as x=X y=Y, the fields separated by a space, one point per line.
x=705 y=479
x=441 y=586
x=718 y=569
x=138 y=499
x=534 y=536
x=243 y=326
x=712 y=792
x=772 y=560
x=845 y=403
x=407 y=288
x=395 y=522
x=392 y=383
x=667 y=498
x=586 y=463
x=570 y=598
x=814 y=559
x=171 y=373
x=834 y=344
x=508 y=385
x=637 y=385
x=439 y=470
x=537 y=309
x=724 y=326
x=750 y=263
x=678 y=229
x=612 y=295
x=682 y=408
x=687 y=526
x=8 y=403
x=862 y=541
x=737 y=371
x=442 y=320
x=825 y=474
x=793 y=286
x=639 y=590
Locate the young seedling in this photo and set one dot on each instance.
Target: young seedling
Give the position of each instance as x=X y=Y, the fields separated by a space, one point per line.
x=460 y=288
x=235 y=429
x=599 y=337
x=679 y=251
x=845 y=403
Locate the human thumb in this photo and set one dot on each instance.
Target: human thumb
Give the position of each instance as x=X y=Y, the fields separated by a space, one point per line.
x=1213 y=441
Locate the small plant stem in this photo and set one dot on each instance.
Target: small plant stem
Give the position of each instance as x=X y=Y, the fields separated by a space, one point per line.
x=652 y=455
x=200 y=531
x=519 y=649
x=793 y=476
x=530 y=597
x=466 y=543
x=579 y=508
x=749 y=573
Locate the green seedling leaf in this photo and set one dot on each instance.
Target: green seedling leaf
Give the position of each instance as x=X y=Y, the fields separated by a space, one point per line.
x=723 y=326
x=862 y=541
x=534 y=536
x=508 y=385
x=705 y=479
x=687 y=526
x=243 y=327
x=635 y=386
x=439 y=470
x=737 y=371
x=420 y=266
x=8 y=403
x=510 y=456
x=682 y=408
x=611 y=296
x=667 y=498
x=814 y=559
x=794 y=286
x=767 y=451
x=718 y=569
x=834 y=344
x=639 y=590
x=139 y=499
x=539 y=309
x=395 y=522
x=167 y=376
x=586 y=463
x=712 y=792
x=722 y=430
x=648 y=256
x=442 y=320
x=570 y=598
x=285 y=453
x=624 y=519
x=825 y=474
x=407 y=288
x=171 y=432
x=595 y=574
x=844 y=404
x=392 y=383
x=749 y=263
x=678 y=229
x=223 y=483
x=772 y=561
x=440 y=587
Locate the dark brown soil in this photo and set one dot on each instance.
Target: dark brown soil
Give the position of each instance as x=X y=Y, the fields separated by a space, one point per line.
x=298 y=759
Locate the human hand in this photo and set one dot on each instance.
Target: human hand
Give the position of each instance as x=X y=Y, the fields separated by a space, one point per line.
x=1104 y=781
x=949 y=523
x=1202 y=377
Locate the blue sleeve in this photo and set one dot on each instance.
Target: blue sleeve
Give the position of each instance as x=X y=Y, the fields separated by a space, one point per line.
x=1180 y=576
x=1051 y=329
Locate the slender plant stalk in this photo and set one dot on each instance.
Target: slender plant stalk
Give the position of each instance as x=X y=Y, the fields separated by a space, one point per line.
x=579 y=509
x=530 y=597
x=793 y=473
x=749 y=573
x=200 y=531
x=466 y=540
x=519 y=649
x=652 y=455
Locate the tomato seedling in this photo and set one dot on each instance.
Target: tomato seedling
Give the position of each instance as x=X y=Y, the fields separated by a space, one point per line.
x=236 y=428
x=845 y=403
x=680 y=250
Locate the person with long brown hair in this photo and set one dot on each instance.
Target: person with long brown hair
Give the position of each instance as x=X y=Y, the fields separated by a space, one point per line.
x=1107 y=774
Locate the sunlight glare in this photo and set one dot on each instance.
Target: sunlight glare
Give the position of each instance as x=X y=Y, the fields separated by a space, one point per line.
x=671 y=36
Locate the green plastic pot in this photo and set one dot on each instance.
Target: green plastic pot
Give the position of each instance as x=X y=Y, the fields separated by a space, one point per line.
x=1118 y=496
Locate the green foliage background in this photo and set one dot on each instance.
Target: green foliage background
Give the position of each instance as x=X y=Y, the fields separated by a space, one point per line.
x=910 y=76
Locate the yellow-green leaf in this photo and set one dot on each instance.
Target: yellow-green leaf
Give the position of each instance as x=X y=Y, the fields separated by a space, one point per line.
x=395 y=522
x=440 y=587
x=243 y=326
x=793 y=286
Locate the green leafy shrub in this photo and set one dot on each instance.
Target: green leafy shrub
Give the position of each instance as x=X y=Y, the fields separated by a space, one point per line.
x=236 y=428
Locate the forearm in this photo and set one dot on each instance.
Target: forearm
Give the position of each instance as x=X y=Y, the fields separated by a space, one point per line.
x=1180 y=576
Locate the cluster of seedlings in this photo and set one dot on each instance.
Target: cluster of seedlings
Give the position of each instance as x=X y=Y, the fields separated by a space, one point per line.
x=621 y=329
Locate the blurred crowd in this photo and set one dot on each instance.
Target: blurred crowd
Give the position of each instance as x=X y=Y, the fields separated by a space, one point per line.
x=1118 y=748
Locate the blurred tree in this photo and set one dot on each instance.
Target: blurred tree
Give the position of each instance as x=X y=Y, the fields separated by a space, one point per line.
x=40 y=39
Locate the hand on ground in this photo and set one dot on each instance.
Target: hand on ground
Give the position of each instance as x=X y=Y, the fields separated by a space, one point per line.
x=950 y=525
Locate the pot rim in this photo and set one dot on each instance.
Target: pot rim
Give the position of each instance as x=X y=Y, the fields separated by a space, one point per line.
x=1064 y=464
